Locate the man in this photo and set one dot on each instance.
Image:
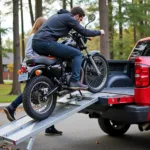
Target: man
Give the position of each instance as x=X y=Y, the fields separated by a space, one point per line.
x=45 y=40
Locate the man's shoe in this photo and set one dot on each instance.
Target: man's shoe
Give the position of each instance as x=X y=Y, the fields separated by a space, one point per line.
x=10 y=111
x=52 y=131
x=77 y=86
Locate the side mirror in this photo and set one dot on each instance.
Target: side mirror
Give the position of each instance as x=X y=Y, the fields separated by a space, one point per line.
x=91 y=18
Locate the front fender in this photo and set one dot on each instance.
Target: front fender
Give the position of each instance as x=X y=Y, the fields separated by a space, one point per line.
x=85 y=59
x=31 y=70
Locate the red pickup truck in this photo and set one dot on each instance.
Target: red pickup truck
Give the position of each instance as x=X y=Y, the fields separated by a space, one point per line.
x=129 y=82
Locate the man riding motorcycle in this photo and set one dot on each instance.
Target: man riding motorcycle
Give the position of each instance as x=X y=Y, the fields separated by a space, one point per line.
x=45 y=40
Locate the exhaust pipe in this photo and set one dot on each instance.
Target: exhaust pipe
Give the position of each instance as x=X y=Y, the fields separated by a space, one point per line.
x=64 y=92
x=94 y=115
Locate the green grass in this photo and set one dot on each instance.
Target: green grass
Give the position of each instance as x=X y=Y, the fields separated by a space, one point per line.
x=4 y=93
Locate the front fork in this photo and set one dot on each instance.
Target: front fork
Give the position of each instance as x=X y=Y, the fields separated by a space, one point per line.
x=90 y=58
x=94 y=65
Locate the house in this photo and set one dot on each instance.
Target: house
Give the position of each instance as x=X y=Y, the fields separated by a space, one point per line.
x=7 y=75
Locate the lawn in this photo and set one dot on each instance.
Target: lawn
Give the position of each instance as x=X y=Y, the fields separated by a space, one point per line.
x=4 y=93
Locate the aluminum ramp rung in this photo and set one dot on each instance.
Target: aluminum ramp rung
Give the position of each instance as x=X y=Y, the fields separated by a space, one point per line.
x=25 y=127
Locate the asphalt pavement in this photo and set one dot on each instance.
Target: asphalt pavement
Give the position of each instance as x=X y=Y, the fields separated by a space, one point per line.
x=82 y=133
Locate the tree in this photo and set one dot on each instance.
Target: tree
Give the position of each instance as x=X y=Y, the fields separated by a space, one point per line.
x=16 y=48
x=31 y=12
x=1 y=63
x=64 y=4
x=111 y=27
x=38 y=8
x=104 y=41
x=71 y=3
x=2 y=31
x=120 y=29
x=10 y=67
x=22 y=31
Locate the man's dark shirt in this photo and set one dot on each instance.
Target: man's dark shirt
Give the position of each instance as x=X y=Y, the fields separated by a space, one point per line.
x=59 y=25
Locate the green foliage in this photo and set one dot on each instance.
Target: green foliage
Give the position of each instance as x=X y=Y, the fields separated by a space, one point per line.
x=7 y=47
x=5 y=90
x=8 y=44
x=131 y=15
x=127 y=43
x=139 y=16
x=94 y=44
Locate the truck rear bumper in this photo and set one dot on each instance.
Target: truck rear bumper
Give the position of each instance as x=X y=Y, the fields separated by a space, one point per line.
x=128 y=113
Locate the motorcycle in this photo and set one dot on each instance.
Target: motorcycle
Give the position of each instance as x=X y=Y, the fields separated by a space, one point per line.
x=48 y=77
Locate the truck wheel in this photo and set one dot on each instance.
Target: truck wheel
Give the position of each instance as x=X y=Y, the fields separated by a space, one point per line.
x=113 y=128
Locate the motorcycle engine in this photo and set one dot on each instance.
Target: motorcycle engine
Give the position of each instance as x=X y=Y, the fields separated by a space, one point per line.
x=67 y=77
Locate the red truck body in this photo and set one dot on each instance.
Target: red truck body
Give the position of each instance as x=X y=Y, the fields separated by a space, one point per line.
x=129 y=82
x=142 y=81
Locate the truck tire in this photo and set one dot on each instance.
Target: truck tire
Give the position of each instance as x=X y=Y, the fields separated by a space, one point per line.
x=113 y=128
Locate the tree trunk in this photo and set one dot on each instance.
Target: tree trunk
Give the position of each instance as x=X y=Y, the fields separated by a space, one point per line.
x=71 y=4
x=104 y=40
x=31 y=12
x=111 y=28
x=134 y=29
x=64 y=4
x=16 y=49
x=22 y=30
x=38 y=8
x=141 y=22
x=1 y=63
x=134 y=34
x=120 y=30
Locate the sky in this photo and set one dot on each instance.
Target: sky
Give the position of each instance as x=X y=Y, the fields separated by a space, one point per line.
x=7 y=21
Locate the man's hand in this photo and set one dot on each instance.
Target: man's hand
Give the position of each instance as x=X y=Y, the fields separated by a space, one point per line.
x=102 y=32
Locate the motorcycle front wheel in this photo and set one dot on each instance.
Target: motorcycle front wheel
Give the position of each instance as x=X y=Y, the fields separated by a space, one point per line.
x=96 y=83
x=35 y=104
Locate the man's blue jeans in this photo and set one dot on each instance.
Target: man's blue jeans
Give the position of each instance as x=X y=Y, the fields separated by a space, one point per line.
x=63 y=51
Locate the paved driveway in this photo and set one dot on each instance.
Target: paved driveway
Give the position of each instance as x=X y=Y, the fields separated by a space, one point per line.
x=82 y=133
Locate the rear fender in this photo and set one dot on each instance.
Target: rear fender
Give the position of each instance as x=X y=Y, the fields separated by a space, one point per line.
x=31 y=70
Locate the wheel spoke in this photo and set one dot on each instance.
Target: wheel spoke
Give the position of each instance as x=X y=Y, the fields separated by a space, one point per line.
x=92 y=78
x=37 y=101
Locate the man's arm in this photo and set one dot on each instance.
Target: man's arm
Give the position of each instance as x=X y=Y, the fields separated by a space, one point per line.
x=74 y=24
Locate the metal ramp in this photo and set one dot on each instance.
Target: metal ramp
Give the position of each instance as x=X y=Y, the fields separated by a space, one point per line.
x=26 y=128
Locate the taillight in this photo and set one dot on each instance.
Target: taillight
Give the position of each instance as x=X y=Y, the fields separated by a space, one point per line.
x=141 y=75
x=23 y=69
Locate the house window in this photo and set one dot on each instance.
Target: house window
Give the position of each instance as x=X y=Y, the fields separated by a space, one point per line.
x=5 y=68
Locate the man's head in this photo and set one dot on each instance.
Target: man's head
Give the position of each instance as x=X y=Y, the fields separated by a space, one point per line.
x=78 y=13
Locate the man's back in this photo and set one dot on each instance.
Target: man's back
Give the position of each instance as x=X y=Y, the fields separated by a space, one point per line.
x=59 y=25
x=55 y=27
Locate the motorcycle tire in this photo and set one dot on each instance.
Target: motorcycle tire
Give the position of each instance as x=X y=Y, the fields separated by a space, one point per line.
x=33 y=96
x=96 y=83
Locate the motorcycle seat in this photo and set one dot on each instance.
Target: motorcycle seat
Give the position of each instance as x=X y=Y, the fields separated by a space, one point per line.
x=41 y=60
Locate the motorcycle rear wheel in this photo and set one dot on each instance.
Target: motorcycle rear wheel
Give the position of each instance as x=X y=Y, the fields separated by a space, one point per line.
x=34 y=104
x=96 y=83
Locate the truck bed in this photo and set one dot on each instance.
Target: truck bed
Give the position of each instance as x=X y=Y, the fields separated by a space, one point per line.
x=120 y=90
x=118 y=104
